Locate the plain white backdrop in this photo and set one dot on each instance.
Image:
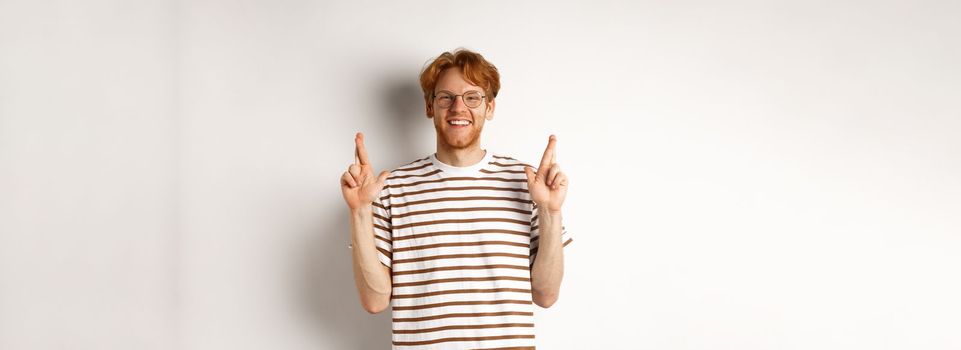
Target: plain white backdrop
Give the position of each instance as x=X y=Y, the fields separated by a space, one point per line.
x=744 y=175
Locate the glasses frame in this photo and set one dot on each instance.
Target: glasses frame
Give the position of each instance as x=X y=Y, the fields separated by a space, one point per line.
x=434 y=98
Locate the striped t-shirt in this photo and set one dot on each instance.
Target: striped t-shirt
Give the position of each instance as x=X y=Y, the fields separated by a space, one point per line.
x=460 y=243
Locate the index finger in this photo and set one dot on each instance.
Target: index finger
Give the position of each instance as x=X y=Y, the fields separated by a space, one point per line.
x=356 y=154
x=360 y=152
x=549 y=154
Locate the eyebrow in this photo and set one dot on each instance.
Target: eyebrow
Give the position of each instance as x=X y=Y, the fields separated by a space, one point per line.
x=465 y=91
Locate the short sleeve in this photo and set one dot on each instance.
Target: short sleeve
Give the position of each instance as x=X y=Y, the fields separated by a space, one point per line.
x=383 y=228
x=535 y=236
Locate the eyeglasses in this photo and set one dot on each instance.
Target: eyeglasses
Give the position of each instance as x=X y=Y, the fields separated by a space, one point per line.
x=472 y=99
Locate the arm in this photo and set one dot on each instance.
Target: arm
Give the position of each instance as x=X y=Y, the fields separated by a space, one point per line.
x=548 y=269
x=360 y=188
x=548 y=188
x=370 y=275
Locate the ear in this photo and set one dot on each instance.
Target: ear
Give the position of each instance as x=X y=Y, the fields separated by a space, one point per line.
x=429 y=109
x=489 y=115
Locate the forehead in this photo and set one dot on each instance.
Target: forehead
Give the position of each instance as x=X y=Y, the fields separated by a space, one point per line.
x=452 y=79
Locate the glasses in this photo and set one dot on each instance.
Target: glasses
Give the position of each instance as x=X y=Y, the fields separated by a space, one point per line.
x=472 y=99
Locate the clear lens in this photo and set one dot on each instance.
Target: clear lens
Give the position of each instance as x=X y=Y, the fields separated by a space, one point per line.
x=472 y=99
x=444 y=99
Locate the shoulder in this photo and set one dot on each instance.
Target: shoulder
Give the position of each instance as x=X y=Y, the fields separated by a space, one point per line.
x=417 y=168
x=411 y=167
x=507 y=161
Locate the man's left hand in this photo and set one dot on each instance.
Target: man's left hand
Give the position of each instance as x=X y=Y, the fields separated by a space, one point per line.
x=548 y=186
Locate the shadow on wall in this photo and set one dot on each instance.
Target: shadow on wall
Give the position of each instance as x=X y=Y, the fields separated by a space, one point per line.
x=409 y=129
x=329 y=296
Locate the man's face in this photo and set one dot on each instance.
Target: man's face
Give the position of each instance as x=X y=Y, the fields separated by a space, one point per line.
x=455 y=136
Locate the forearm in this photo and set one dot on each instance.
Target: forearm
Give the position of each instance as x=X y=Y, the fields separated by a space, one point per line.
x=371 y=277
x=548 y=269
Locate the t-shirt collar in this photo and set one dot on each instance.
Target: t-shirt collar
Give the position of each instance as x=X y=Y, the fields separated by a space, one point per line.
x=473 y=169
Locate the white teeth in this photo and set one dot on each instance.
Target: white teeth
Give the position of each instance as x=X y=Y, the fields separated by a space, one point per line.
x=459 y=122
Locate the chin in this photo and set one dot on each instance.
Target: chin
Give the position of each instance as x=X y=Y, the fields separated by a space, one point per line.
x=460 y=142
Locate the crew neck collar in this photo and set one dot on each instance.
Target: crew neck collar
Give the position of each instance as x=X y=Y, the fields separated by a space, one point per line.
x=463 y=170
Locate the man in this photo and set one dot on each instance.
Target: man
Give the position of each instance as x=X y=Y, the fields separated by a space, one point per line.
x=462 y=241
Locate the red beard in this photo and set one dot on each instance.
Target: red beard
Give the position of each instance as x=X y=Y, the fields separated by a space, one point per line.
x=458 y=139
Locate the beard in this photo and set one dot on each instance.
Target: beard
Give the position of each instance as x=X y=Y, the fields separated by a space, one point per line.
x=457 y=140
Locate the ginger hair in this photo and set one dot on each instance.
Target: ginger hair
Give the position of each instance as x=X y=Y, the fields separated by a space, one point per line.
x=476 y=70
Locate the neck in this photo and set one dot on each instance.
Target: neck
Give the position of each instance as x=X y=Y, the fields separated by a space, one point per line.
x=460 y=156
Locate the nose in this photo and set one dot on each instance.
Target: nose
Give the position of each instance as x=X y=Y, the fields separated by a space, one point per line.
x=458 y=104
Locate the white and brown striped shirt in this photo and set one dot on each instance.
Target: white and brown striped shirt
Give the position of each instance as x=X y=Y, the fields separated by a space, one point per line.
x=460 y=242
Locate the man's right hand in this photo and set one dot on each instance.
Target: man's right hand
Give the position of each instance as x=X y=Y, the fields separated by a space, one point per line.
x=358 y=183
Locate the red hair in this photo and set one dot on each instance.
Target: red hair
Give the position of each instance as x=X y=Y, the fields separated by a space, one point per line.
x=476 y=70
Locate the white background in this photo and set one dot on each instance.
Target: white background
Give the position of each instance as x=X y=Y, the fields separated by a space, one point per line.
x=745 y=175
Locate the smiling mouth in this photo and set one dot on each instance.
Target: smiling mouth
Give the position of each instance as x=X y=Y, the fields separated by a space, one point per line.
x=459 y=123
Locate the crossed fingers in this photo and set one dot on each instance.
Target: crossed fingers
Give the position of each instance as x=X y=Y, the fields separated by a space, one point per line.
x=549 y=171
x=355 y=173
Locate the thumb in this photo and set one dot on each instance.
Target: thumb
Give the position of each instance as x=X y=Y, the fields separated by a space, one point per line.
x=530 y=174
x=383 y=176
